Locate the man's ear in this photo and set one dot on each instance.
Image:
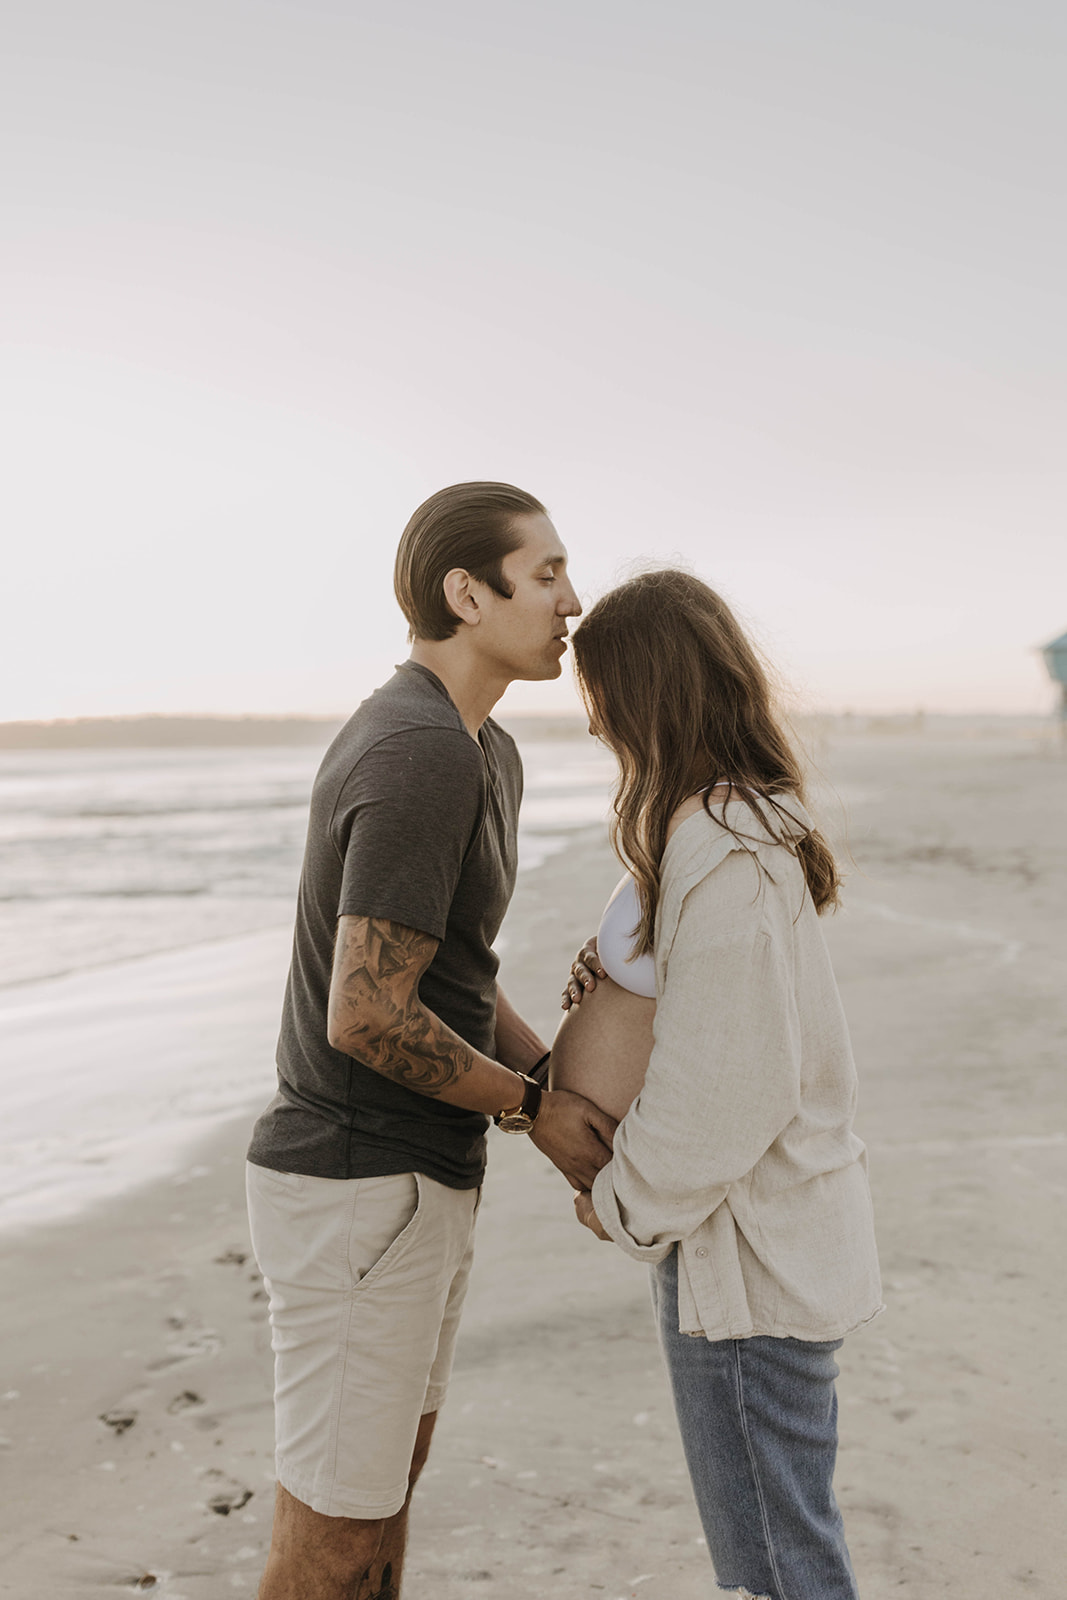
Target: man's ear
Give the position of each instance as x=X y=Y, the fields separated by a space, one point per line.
x=461 y=596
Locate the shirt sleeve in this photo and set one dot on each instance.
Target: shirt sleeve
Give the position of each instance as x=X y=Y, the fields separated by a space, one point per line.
x=723 y=1079
x=406 y=818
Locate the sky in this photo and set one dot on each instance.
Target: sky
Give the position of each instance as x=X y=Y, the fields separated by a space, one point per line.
x=774 y=290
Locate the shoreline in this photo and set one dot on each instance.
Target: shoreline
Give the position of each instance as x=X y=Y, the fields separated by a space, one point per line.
x=124 y=1030
x=117 y=1073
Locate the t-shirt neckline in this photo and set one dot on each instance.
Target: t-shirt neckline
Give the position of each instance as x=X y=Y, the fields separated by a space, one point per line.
x=428 y=672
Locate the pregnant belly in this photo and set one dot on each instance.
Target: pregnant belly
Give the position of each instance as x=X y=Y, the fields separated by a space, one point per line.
x=602 y=1047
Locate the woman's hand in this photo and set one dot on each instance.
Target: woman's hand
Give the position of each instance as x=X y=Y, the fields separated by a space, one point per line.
x=585 y=970
x=583 y=1207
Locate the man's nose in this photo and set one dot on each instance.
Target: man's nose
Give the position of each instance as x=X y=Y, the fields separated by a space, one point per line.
x=570 y=605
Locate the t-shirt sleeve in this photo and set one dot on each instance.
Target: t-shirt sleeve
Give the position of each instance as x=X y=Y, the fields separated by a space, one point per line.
x=405 y=820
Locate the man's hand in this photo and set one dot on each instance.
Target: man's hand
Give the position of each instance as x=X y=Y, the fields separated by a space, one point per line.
x=583 y=1208
x=574 y=1134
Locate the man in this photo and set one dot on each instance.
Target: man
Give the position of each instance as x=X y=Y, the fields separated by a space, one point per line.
x=397 y=1046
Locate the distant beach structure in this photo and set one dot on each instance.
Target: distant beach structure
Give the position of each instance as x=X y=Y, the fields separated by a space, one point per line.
x=1055 y=654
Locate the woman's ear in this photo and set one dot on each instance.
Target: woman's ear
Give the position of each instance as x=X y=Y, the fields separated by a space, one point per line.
x=460 y=596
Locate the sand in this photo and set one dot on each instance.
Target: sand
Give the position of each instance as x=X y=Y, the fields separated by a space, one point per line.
x=136 y=1386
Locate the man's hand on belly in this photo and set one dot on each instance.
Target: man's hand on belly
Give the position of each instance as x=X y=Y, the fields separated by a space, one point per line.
x=575 y=1135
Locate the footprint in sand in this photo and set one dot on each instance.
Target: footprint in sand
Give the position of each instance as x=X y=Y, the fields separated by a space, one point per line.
x=205 y=1343
x=188 y=1400
x=202 y=1419
x=223 y=1504
x=230 y=1498
x=118 y=1420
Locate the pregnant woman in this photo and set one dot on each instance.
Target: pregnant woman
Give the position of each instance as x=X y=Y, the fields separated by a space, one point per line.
x=707 y=1018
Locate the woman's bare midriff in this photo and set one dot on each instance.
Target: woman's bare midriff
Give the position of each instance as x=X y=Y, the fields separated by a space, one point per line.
x=602 y=1046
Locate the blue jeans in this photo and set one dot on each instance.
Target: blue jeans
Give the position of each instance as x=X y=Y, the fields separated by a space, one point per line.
x=758 y=1419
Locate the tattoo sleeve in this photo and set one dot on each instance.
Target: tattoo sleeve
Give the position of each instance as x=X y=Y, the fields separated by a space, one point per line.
x=375 y=1011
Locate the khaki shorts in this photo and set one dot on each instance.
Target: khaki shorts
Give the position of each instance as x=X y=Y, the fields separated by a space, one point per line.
x=366 y=1278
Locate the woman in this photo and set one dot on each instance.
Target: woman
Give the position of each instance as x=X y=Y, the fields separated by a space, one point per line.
x=735 y=1170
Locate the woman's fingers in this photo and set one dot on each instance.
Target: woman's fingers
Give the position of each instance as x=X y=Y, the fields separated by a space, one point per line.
x=589 y=958
x=585 y=970
x=583 y=1208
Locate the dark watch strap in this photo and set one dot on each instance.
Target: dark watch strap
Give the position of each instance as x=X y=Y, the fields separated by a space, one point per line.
x=531 y=1101
x=539 y=1073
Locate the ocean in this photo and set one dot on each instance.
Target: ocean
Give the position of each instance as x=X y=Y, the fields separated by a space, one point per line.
x=146 y=908
x=108 y=854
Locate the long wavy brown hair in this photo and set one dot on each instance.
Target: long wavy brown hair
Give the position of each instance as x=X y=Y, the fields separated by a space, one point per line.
x=680 y=696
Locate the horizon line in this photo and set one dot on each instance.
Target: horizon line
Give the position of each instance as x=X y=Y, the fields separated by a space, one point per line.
x=542 y=713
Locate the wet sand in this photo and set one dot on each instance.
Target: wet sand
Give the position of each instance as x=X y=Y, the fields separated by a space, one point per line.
x=136 y=1386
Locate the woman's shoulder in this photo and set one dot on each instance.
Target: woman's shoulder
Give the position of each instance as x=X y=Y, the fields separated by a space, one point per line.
x=732 y=836
x=697 y=846
x=754 y=818
x=713 y=804
x=749 y=818
x=687 y=809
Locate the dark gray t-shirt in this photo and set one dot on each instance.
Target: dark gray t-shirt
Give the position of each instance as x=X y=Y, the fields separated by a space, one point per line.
x=413 y=821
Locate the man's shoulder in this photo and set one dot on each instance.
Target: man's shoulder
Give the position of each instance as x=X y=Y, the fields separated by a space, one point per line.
x=412 y=698
x=406 y=710
x=400 y=750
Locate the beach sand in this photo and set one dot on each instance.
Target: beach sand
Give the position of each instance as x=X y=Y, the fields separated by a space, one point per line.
x=135 y=1408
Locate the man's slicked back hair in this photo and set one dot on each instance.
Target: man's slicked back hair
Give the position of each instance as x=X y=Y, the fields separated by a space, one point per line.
x=468 y=525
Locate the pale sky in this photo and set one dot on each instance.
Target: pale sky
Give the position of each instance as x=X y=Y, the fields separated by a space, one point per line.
x=775 y=289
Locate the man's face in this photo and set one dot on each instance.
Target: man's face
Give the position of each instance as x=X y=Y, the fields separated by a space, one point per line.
x=524 y=635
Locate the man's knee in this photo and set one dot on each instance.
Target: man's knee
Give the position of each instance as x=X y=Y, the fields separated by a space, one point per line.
x=336 y=1545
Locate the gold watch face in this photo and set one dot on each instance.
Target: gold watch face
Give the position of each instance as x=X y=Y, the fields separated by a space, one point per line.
x=515 y=1122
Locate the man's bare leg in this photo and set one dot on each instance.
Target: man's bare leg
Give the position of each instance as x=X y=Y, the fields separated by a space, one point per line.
x=315 y=1557
x=382 y=1581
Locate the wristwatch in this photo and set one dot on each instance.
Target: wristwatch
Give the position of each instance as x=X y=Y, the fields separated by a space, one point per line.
x=521 y=1118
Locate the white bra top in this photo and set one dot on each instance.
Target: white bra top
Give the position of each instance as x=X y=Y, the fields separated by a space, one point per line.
x=615 y=940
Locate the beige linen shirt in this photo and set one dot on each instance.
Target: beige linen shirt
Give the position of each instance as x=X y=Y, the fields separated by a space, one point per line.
x=739 y=1148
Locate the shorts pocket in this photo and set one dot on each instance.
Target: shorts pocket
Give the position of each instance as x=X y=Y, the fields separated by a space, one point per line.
x=282 y=1183
x=386 y=1213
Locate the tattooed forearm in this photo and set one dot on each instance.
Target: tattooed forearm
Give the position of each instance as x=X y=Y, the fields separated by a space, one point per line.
x=403 y=1041
x=375 y=1011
